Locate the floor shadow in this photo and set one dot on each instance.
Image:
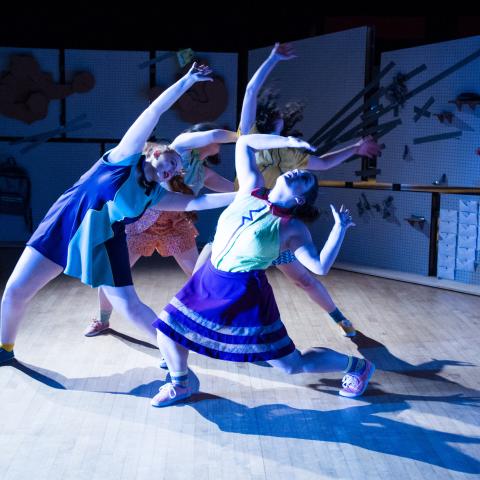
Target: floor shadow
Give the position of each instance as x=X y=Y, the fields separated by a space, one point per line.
x=361 y=426
x=132 y=342
x=37 y=375
x=385 y=360
x=128 y=339
x=58 y=381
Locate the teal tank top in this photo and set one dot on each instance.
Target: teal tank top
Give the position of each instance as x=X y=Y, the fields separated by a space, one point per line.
x=194 y=175
x=248 y=234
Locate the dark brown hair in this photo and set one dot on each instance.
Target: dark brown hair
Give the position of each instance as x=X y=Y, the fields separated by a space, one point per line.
x=268 y=112
x=308 y=212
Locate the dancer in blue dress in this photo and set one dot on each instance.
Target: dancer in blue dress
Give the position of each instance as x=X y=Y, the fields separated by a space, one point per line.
x=83 y=233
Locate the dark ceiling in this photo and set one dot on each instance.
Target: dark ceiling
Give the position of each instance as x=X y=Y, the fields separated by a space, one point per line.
x=236 y=27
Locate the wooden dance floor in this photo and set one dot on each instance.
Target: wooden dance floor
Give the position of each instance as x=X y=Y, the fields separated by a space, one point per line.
x=73 y=407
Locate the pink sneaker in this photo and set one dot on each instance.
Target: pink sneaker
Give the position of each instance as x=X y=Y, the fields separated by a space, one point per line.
x=168 y=394
x=355 y=383
x=96 y=327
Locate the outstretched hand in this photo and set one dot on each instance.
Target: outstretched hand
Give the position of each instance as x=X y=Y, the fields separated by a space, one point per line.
x=368 y=147
x=199 y=73
x=283 y=51
x=342 y=217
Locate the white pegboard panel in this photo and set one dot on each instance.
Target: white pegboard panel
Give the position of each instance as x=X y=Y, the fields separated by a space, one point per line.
x=53 y=168
x=472 y=278
x=328 y=72
x=48 y=59
x=119 y=96
x=426 y=162
x=223 y=64
x=391 y=242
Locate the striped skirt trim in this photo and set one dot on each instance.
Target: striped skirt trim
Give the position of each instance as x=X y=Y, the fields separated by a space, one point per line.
x=234 y=319
x=195 y=342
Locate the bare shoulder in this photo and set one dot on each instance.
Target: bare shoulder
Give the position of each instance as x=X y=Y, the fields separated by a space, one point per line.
x=293 y=225
x=291 y=228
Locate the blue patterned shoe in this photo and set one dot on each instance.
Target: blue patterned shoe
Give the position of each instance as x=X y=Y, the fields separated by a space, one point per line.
x=6 y=356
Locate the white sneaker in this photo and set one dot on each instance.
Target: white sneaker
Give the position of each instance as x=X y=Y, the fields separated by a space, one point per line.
x=170 y=393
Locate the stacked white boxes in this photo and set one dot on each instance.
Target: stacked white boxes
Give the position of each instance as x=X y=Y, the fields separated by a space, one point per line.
x=447 y=243
x=467 y=235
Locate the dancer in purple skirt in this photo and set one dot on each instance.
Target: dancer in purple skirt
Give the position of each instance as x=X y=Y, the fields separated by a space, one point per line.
x=227 y=309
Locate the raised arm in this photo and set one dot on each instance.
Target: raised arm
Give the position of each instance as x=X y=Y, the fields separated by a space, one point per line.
x=301 y=243
x=248 y=175
x=249 y=108
x=190 y=140
x=178 y=202
x=366 y=147
x=136 y=136
x=216 y=182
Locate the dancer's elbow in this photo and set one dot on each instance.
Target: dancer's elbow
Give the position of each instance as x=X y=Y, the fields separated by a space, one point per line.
x=320 y=269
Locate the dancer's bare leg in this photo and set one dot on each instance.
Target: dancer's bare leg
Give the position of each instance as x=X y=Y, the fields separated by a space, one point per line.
x=101 y=322
x=126 y=302
x=314 y=288
x=176 y=357
x=187 y=260
x=32 y=272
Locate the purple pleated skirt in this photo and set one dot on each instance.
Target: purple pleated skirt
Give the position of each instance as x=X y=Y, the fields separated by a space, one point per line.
x=227 y=315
